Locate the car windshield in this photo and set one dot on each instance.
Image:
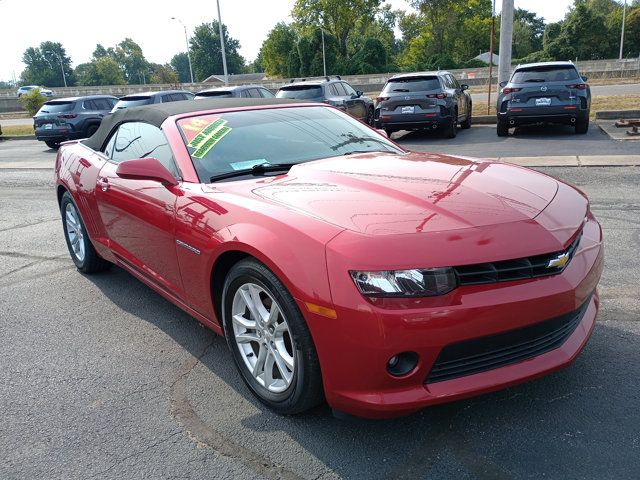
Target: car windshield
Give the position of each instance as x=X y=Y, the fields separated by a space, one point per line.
x=301 y=92
x=133 y=102
x=233 y=141
x=545 y=74
x=216 y=93
x=412 y=84
x=56 y=107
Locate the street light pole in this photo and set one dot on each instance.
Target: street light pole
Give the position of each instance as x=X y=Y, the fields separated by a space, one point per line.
x=506 y=40
x=224 y=55
x=324 y=60
x=493 y=32
x=186 y=38
x=64 y=77
x=624 y=14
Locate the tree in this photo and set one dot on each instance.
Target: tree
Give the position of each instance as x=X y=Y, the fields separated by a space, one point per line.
x=632 y=33
x=180 y=63
x=338 y=17
x=164 y=74
x=100 y=71
x=43 y=65
x=132 y=62
x=275 y=51
x=372 y=58
x=206 y=56
x=32 y=101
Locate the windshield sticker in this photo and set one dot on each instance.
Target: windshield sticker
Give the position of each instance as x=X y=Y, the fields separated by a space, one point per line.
x=248 y=164
x=191 y=127
x=208 y=138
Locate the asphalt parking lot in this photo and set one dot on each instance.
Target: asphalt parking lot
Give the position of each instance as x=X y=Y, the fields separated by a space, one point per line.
x=103 y=378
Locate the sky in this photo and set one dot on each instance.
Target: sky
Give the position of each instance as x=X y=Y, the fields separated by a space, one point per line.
x=79 y=25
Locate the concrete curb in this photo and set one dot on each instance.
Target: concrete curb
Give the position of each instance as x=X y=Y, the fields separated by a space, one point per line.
x=17 y=137
x=484 y=120
x=617 y=114
x=575 y=161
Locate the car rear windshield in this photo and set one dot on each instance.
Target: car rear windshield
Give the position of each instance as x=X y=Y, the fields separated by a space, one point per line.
x=217 y=93
x=412 y=84
x=56 y=107
x=133 y=102
x=226 y=142
x=302 y=92
x=545 y=74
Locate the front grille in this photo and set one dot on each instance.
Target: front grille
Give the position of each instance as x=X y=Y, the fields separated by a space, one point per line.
x=517 y=269
x=495 y=351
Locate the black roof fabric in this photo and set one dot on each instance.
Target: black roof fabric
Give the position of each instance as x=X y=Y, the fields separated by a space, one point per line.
x=157 y=113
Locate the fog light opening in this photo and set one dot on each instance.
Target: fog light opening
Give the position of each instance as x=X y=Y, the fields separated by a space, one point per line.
x=402 y=364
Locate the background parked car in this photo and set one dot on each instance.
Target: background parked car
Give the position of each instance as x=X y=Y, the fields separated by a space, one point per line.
x=334 y=92
x=71 y=118
x=245 y=91
x=549 y=92
x=147 y=98
x=423 y=100
x=27 y=88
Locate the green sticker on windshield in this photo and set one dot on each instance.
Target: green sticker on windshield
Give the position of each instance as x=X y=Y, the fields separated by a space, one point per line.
x=208 y=138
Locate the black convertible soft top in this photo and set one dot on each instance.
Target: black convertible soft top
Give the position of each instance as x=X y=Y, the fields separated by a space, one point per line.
x=156 y=114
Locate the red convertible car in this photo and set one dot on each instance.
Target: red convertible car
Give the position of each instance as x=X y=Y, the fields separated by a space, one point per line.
x=338 y=265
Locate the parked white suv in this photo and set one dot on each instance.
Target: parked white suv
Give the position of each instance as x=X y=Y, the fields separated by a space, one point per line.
x=27 y=88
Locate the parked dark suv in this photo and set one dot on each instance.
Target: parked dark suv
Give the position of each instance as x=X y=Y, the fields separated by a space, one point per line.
x=550 y=92
x=71 y=118
x=333 y=91
x=147 y=98
x=244 y=91
x=423 y=100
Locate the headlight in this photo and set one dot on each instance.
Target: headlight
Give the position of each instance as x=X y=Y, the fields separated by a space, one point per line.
x=424 y=282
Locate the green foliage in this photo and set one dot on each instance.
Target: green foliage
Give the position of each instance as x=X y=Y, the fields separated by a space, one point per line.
x=100 y=71
x=632 y=33
x=43 y=65
x=180 y=63
x=206 y=55
x=474 y=63
x=164 y=74
x=371 y=58
x=132 y=62
x=276 y=50
x=32 y=101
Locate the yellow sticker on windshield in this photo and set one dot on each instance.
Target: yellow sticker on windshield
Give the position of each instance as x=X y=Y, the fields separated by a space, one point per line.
x=208 y=137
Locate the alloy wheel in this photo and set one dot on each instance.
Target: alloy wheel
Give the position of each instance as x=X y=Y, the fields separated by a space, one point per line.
x=74 y=232
x=263 y=338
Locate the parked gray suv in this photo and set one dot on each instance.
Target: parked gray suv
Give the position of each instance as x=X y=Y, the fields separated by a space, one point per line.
x=424 y=100
x=242 y=91
x=550 y=92
x=71 y=118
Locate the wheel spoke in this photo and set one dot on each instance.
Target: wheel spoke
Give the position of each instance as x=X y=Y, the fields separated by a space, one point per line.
x=248 y=300
x=244 y=322
x=282 y=366
x=257 y=301
x=71 y=219
x=247 y=337
x=268 y=370
x=273 y=314
x=258 y=368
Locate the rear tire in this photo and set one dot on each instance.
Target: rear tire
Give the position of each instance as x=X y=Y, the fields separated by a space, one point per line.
x=452 y=129
x=91 y=129
x=80 y=247
x=502 y=129
x=369 y=120
x=52 y=144
x=582 y=127
x=467 y=122
x=275 y=354
x=389 y=132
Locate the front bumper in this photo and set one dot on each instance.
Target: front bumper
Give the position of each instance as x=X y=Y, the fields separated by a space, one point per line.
x=354 y=349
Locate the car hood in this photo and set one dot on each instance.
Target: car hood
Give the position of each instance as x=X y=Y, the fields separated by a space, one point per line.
x=382 y=194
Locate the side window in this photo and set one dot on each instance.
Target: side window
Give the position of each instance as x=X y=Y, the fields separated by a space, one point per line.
x=454 y=82
x=140 y=140
x=108 y=150
x=266 y=93
x=255 y=93
x=245 y=94
x=166 y=98
x=89 y=105
x=333 y=91
x=347 y=88
x=340 y=89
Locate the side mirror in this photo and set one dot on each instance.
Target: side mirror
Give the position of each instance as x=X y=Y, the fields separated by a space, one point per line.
x=464 y=87
x=146 y=169
x=503 y=84
x=382 y=132
x=584 y=78
x=359 y=93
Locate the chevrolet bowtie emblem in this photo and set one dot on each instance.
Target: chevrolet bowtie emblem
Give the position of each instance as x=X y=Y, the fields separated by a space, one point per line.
x=559 y=262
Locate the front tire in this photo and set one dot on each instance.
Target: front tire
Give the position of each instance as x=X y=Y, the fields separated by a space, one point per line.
x=369 y=120
x=52 y=144
x=582 y=127
x=467 y=121
x=452 y=129
x=269 y=339
x=80 y=247
x=502 y=129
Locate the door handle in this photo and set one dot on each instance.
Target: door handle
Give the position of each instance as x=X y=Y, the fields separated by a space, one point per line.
x=104 y=184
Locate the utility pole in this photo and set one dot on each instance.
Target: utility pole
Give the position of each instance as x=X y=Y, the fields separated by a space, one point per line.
x=64 y=77
x=224 y=55
x=493 y=32
x=506 y=40
x=624 y=15
x=324 y=60
x=186 y=38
